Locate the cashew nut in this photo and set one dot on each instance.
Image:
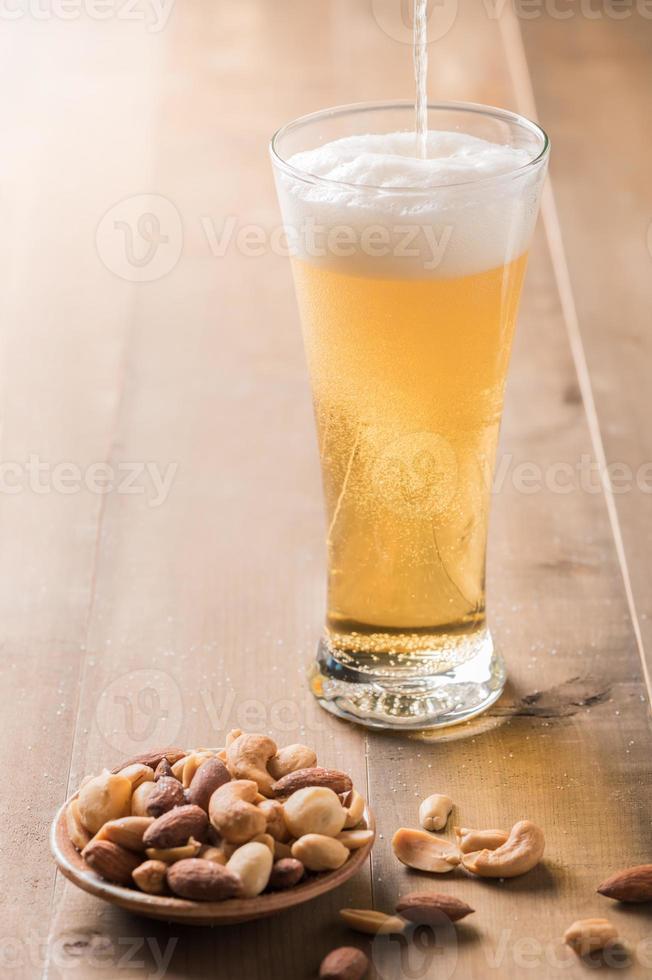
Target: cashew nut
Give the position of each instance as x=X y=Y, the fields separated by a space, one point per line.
x=589 y=935
x=252 y=863
x=233 y=814
x=314 y=810
x=290 y=758
x=354 y=811
x=479 y=840
x=435 y=811
x=76 y=830
x=522 y=850
x=273 y=811
x=319 y=853
x=105 y=797
x=247 y=758
x=418 y=849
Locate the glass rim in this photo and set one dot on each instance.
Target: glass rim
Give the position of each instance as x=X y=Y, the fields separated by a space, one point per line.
x=477 y=108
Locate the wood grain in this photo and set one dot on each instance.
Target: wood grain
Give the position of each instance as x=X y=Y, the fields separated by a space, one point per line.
x=602 y=154
x=127 y=622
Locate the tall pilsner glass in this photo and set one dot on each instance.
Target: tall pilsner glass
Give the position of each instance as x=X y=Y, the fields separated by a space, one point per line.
x=408 y=298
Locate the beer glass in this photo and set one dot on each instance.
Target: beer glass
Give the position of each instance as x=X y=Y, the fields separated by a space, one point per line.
x=408 y=299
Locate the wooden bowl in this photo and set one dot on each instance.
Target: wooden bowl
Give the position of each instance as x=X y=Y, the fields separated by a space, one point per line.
x=172 y=909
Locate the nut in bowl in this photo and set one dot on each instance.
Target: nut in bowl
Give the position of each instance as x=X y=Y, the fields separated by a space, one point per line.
x=214 y=836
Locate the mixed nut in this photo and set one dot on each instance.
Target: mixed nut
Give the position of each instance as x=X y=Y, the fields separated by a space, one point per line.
x=214 y=824
x=209 y=825
x=483 y=853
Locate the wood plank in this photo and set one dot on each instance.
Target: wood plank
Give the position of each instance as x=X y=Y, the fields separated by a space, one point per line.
x=213 y=601
x=559 y=612
x=209 y=604
x=601 y=168
x=62 y=343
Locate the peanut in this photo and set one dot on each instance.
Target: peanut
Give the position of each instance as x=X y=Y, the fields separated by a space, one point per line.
x=353 y=839
x=435 y=811
x=139 y=799
x=105 y=797
x=137 y=773
x=252 y=863
x=127 y=831
x=150 y=877
x=320 y=853
x=372 y=922
x=590 y=935
x=421 y=850
x=314 y=810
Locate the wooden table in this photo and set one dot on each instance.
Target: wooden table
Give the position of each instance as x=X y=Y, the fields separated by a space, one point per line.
x=171 y=615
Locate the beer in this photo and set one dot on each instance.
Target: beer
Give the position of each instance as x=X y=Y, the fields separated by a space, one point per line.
x=408 y=378
x=408 y=287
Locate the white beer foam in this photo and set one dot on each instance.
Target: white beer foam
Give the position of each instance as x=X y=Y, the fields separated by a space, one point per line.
x=442 y=211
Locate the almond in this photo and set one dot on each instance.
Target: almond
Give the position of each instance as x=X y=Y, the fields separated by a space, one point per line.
x=333 y=779
x=111 y=861
x=630 y=885
x=167 y=793
x=432 y=908
x=209 y=776
x=345 y=963
x=153 y=758
x=163 y=769
x=174 y=828
x=286 y=873
x=202 y=881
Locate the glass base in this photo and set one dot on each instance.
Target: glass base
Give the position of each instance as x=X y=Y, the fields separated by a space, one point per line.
x=358 y=687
